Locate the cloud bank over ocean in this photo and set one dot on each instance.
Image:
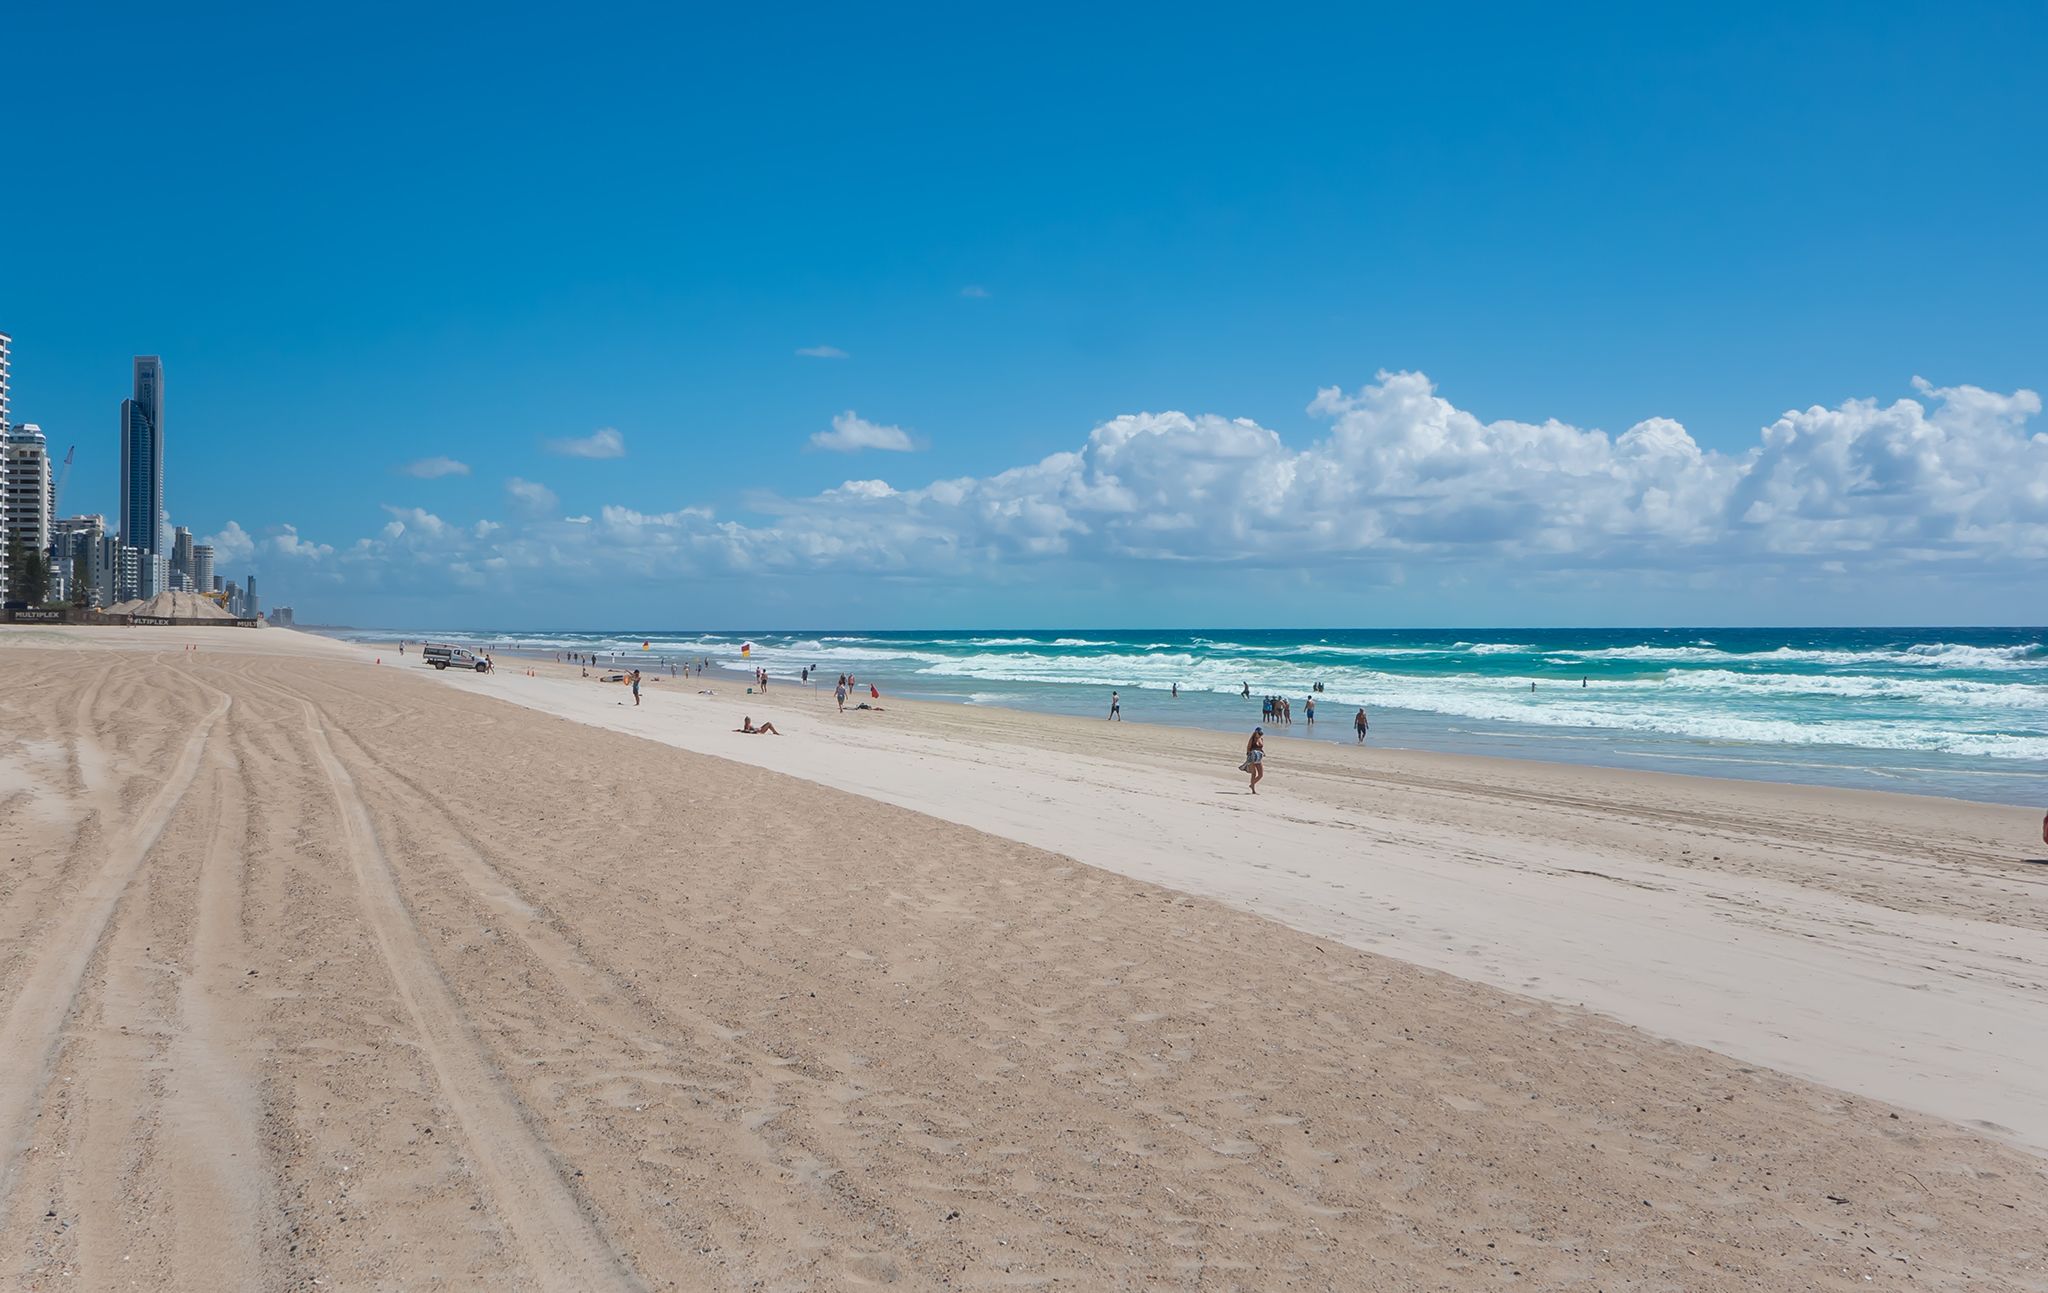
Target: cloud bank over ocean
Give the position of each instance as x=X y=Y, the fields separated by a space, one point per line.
x=1951 y=478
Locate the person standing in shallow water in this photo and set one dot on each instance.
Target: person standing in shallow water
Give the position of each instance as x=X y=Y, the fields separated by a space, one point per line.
x=1359 y=724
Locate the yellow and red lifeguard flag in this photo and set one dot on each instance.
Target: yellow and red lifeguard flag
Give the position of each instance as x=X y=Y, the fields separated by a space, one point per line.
x=746 y=648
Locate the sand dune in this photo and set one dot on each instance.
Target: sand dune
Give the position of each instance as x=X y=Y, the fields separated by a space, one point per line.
x=316 y=971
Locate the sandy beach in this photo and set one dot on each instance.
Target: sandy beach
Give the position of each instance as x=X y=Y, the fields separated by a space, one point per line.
x=317 y=971
x=1892 y=945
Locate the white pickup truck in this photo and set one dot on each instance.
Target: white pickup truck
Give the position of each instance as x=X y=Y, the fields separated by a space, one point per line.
x=441 y=657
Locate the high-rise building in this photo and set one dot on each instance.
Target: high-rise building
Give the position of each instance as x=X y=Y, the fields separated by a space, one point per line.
x=181 y=555
x=128 y=573
x=24 y=495
x=6 y=376
x=202 y=569
x=250 y=595
x=106 y=569
x=74 y=541
x=142 y=459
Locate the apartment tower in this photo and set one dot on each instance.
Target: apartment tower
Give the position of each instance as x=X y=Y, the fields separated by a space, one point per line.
x=142 y=460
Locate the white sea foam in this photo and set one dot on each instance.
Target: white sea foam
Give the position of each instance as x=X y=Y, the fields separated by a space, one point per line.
x=1944 y=715
x=1932 y=654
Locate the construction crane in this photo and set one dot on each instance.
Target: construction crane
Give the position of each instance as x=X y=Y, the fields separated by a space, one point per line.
x=57 y=490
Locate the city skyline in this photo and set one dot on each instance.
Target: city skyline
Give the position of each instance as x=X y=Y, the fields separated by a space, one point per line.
x=77 y=562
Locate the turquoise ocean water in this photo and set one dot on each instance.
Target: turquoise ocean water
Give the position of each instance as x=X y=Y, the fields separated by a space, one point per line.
x=1947 y=711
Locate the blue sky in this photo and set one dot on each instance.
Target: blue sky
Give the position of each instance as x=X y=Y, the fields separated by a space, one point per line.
x=474 y=233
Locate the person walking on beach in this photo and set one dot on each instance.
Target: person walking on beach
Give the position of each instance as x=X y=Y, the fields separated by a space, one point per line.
x=1116 y=708
x=1176 y=691
x=839 y=693
x=1359 y=724
x=636 y=687
x=1255 y=757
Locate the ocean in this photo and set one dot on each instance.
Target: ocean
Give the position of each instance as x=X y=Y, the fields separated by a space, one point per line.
x=1945 y=711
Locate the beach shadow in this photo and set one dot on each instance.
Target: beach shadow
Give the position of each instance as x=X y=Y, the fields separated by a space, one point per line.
x=2034 y=861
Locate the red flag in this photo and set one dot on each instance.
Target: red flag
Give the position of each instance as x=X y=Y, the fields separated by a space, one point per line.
x=874 y=691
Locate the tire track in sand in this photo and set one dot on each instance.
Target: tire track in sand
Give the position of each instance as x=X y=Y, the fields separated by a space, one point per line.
x=49 y=992
x=669 y=1037
x=562 y=1244
x=211 y=1105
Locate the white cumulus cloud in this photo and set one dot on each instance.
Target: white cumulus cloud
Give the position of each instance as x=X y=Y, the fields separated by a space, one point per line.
x=231 y=545
x=415 y=519
x=1403 y=474
x=432 y=468
x=852 y=433
x=1949 y=479
x=605 y=442
x=287 y=543
x=531 y=495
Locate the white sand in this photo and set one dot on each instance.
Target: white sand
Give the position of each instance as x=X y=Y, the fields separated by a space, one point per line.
x=1891 y=945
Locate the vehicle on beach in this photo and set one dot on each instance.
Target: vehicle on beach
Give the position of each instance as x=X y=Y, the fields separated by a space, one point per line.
x=443 y=656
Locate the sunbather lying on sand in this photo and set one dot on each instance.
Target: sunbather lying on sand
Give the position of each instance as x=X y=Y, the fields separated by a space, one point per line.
x=747 y=726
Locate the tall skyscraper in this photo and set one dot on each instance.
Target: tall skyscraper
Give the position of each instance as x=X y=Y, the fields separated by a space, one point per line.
x=202 y=568
x=6 y=374
x=142 y=459
x=181 y=558
x=24 y=495
x=250 y=594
